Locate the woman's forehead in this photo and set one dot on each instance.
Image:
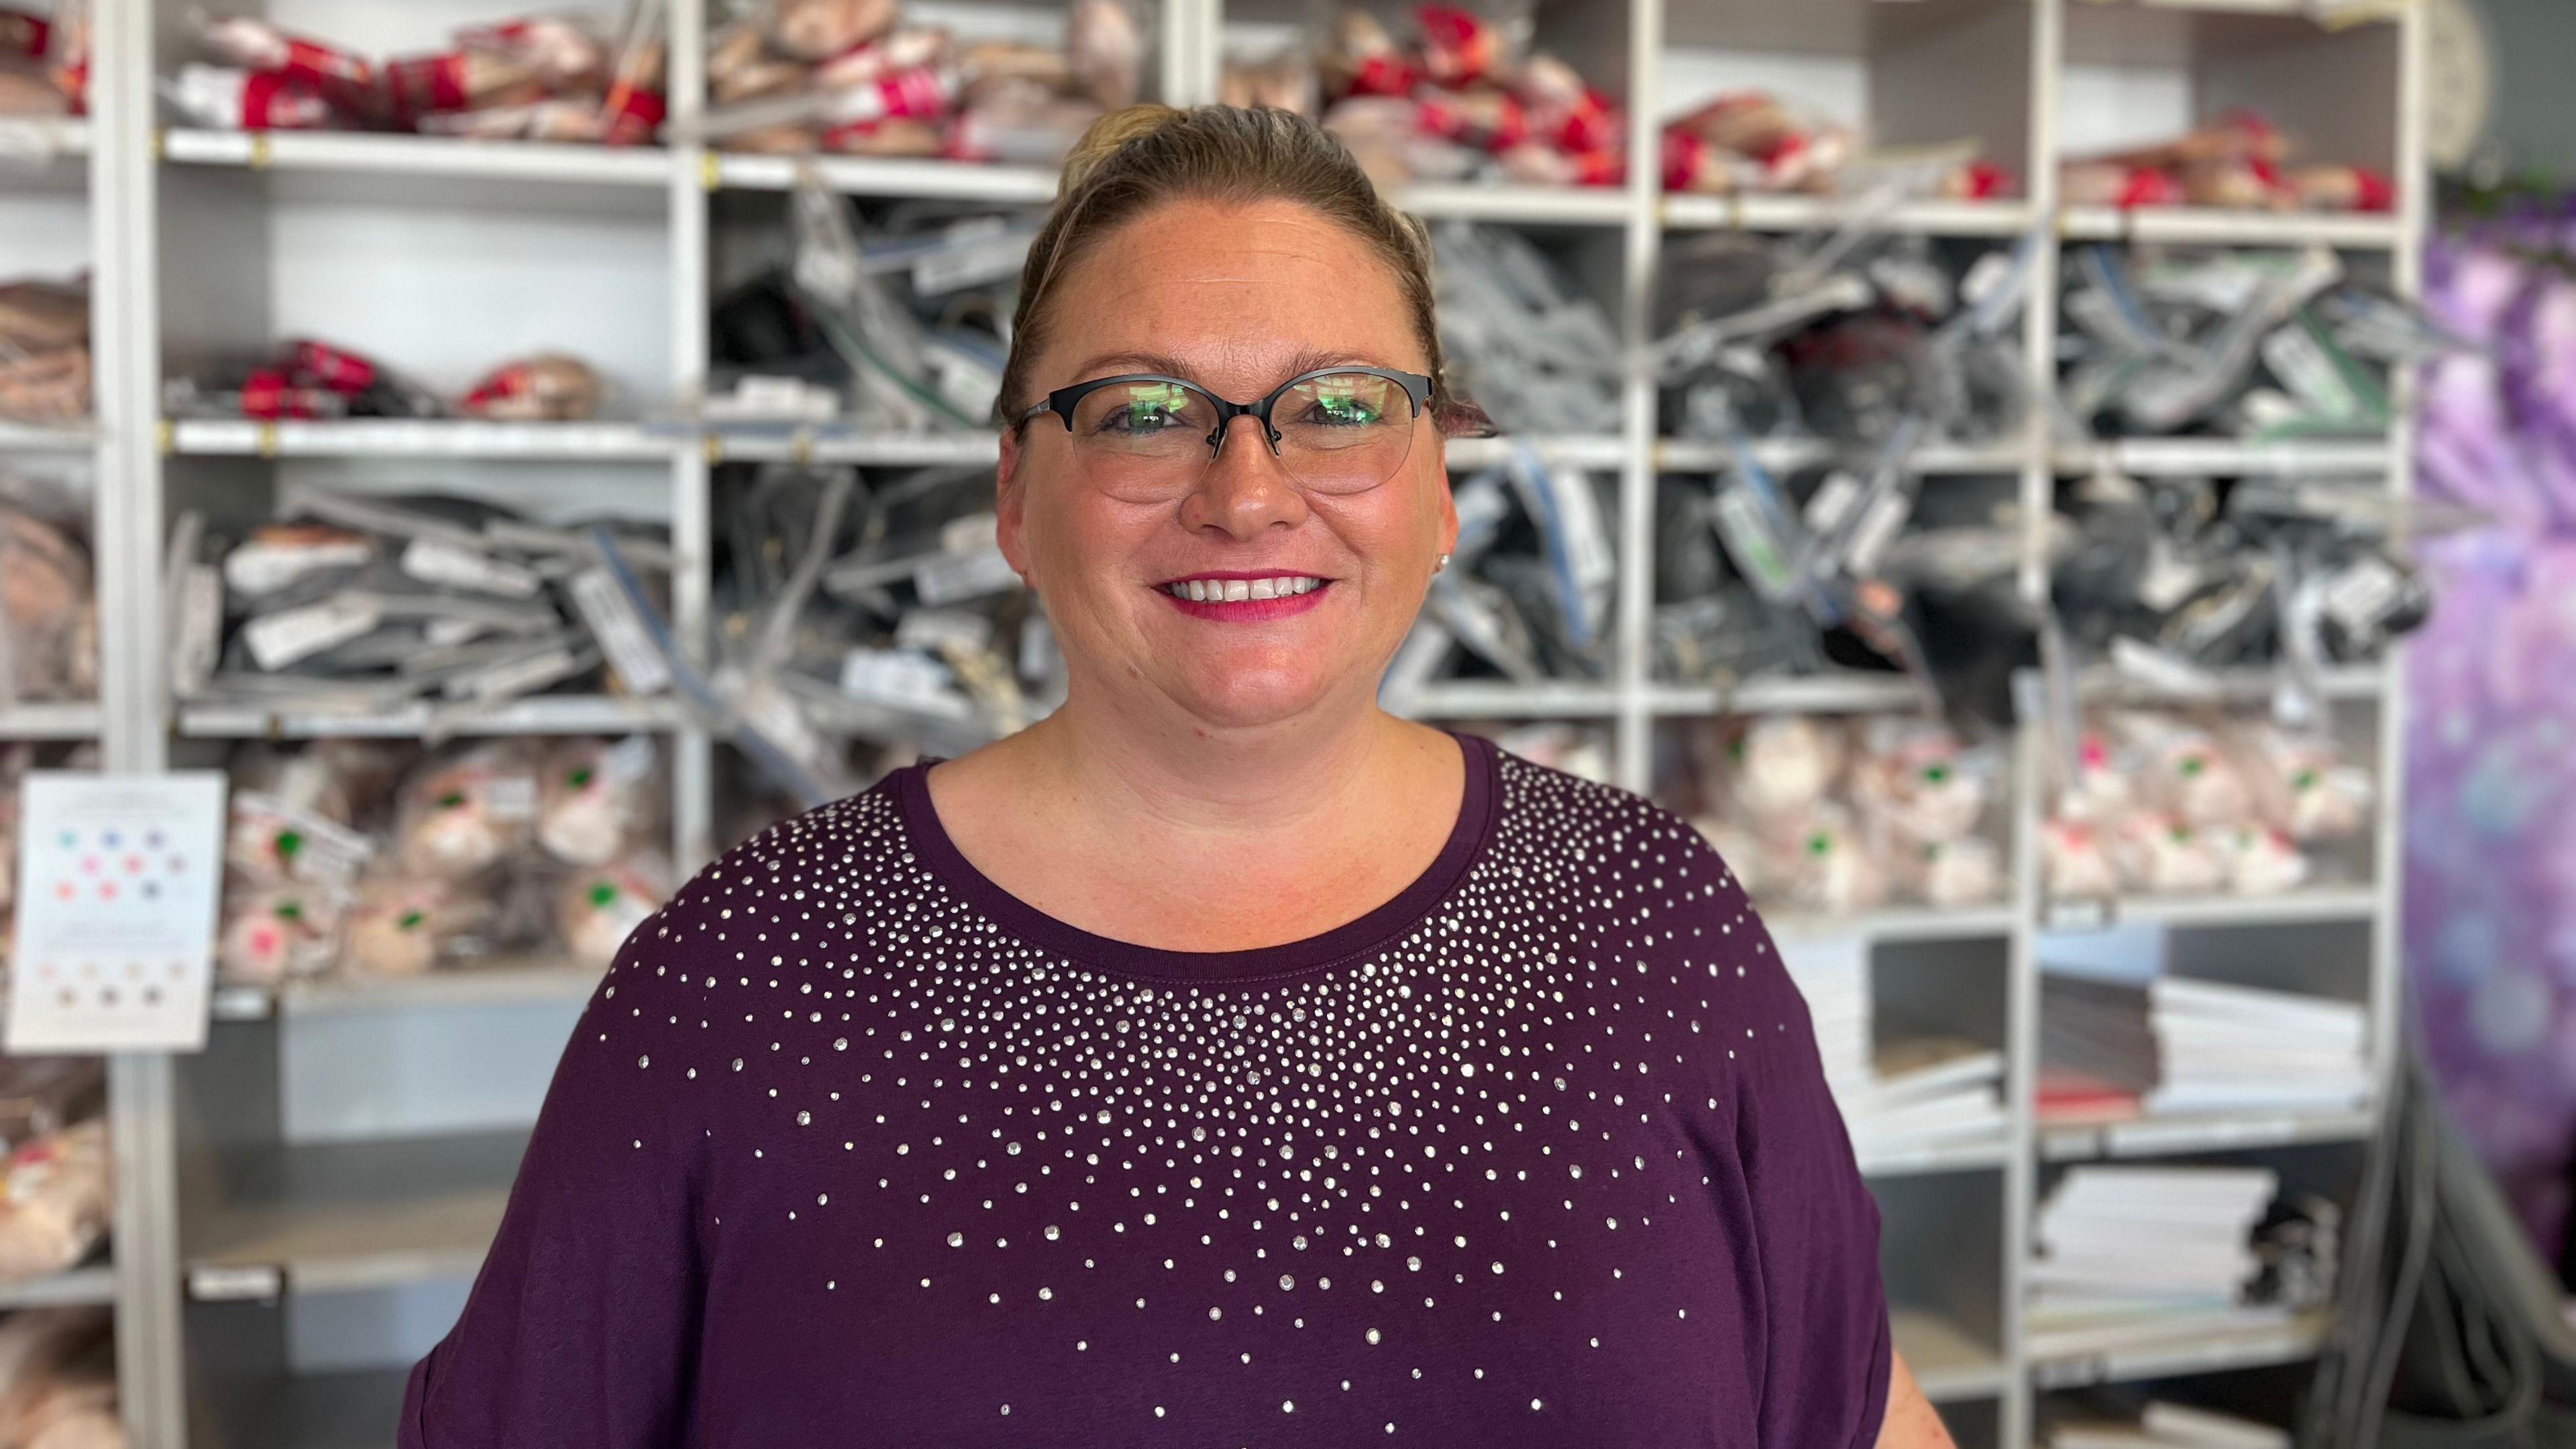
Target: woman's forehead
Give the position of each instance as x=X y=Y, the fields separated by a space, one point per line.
x=1238 y=291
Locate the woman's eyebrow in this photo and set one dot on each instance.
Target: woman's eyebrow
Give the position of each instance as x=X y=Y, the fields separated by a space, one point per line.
x=1303 y=362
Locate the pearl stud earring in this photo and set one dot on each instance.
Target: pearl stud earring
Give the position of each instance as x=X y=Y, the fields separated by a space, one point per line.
x=1444 y=563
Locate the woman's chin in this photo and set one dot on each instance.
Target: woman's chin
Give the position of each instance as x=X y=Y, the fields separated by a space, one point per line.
x=1243 y=698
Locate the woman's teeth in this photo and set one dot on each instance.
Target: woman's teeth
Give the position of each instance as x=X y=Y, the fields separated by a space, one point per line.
x=1235 y=591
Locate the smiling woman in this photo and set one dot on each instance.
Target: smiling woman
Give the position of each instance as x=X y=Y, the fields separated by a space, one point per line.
x=1219 y=1060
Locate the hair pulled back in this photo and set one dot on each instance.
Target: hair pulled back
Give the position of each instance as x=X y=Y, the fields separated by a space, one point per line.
x=1133 y=160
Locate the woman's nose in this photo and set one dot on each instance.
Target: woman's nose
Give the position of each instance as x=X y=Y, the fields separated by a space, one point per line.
x=1245 y=486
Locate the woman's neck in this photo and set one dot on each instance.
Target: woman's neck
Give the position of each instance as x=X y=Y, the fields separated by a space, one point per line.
x=1199 y=838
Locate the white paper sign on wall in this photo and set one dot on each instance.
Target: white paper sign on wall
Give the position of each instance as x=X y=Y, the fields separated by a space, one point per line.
x=117 y=880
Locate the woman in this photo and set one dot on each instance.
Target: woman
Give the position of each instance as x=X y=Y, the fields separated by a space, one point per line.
x=1219 y=1060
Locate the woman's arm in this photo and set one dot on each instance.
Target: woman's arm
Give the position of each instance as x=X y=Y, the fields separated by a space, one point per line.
x=1910 y=1422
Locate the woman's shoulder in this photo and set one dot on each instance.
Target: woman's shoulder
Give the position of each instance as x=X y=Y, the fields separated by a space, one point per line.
x=1600 y=825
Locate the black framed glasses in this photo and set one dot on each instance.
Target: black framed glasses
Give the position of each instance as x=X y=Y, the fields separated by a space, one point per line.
x=1337 y=429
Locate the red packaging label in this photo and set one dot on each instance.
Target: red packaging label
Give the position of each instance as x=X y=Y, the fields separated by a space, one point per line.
x=421 y=84
x=1984 y=181
x=306 y=60
x=1600 y=168
x=267 y=394
x=2148 y=186
x=2378 y=193
x=1385 y=75
x=1684 y=152
x=1592 y=124
x=273 y=100
x=921 y=91
x=1782 y=160
x=1456 y=45
x=513 y=380
x=330 y=367
x=23 y=34
x=1504 y=124
x=634 y=116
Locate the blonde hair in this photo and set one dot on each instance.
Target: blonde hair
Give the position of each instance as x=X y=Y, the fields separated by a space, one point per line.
x=1133 y=160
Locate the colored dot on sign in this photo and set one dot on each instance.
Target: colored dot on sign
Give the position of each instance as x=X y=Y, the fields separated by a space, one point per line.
x=107 y=996
x=66 y=891
x=108 y=837
x=152 y=996
x=68 y=839
x=89 y=863
x=134 y=865
x=178 y=863
x=107 y=890
x=152 y=840
x=151 y=891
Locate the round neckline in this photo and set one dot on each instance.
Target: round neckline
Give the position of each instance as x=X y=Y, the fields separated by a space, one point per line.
x=1477 y=811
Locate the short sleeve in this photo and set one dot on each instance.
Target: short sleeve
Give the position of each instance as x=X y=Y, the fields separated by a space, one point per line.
x=1827 y=1345
x=581 y=1327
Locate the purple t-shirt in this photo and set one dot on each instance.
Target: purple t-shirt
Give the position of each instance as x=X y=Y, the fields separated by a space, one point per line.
x=852 y=1147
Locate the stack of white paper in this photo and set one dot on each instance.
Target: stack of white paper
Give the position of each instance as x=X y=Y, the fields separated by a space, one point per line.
x=1834 y=977
x=1926 y=1092
x=2167 y=1426
x=1909 y=1093
x=2134 y=1253
x=2223 y=1048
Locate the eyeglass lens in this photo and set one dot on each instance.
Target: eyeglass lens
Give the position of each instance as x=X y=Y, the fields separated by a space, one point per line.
x=1339 y=432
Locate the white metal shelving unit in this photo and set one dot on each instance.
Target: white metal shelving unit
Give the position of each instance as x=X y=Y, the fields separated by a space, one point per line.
x=276 y=1169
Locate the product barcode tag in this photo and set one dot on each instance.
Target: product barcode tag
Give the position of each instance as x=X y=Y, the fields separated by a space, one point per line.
x=1833 y=502
x=1756 y=548
x=264 y=568
x=927 y=629
x=437 y=561
x=2300 y=362
x=511 y=678
x=2168 y=578
x=954 y=578
x=2363 y=595
x=1878 y=526
x=325 y=853
x=893 y=674
x=511 y=797
x=197 y=641
x=627 y=761
x=280 y=639
x=620 y=632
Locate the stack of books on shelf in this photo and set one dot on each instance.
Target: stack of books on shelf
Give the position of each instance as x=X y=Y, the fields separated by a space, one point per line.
x=2134 y=1256
x=1912 y=1092
x=2228 y=1048
x=2180 y=1046
x=2162 y=1425
x=2097 y=1054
